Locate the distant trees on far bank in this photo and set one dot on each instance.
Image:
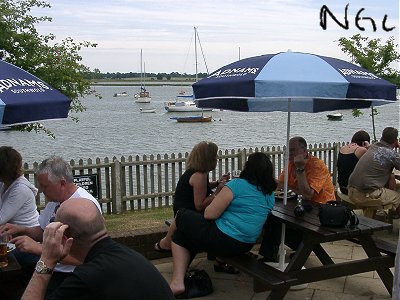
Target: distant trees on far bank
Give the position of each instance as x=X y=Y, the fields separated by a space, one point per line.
x=96 y=74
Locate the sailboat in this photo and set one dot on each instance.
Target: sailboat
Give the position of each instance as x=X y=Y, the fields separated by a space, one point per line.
x=143 y=96
x=185 y=103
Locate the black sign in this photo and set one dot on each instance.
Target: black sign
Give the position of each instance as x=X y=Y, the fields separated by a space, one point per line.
x=89 y=182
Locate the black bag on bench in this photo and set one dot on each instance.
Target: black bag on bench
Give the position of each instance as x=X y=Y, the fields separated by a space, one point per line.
x=335 y=214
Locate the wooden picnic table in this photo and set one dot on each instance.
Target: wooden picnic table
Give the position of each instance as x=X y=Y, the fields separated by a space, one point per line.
x=315 y=234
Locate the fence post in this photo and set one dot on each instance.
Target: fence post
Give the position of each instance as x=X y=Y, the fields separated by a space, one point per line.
x=116 y=186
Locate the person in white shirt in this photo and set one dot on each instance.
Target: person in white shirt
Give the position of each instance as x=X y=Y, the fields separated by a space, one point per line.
x=17 y=194
x=55 y=181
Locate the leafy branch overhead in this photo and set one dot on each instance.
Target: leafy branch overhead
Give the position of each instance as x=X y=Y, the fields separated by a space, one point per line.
x=57 y=63
x=375 y=56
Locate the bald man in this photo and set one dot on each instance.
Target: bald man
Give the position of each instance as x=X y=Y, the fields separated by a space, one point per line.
x=108 y=270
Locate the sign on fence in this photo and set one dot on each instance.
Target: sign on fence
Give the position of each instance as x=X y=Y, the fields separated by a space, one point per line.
x=90 y=182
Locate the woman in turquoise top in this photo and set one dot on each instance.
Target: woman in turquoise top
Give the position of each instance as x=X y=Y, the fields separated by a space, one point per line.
x=231 y=223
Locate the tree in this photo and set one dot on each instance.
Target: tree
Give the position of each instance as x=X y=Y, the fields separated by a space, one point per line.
x=375 y=56
x=57 y=63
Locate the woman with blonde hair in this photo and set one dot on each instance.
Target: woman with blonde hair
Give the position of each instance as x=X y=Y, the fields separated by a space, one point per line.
x=194 y=190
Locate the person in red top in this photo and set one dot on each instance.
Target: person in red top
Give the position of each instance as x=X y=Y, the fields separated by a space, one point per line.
x=309 y=177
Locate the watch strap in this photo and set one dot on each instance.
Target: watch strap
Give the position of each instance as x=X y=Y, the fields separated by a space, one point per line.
x=42 y=268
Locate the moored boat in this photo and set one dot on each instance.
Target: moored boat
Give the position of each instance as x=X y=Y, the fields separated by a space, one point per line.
x=143 y=96
x=183 y=104
x=147 y=110
x=335 y=117
x=122 y=94
x=192 y=119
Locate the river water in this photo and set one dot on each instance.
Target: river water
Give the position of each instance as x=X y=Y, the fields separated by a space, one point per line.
x=114 y=126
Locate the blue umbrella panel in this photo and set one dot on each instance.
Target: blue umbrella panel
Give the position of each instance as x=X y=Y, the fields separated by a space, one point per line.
x=314 y=83
x=25 y=98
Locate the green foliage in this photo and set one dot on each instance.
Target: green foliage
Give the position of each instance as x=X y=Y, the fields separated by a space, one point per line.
x=57 y=63
x=373 y=55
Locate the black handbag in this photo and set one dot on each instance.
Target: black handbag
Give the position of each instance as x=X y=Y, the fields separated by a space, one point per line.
x=335 y=214
x=197 y=284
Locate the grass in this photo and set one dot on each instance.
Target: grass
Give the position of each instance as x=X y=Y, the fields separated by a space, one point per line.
x=127 y=221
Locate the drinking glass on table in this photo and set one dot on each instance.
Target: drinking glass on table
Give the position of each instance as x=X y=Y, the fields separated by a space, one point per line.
x=3 y=251
x=235 y=173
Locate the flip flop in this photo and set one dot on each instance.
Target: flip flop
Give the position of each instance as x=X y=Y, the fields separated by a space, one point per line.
x=158 y=248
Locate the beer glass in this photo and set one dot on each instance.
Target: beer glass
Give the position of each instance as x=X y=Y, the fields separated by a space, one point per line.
x=3 y=251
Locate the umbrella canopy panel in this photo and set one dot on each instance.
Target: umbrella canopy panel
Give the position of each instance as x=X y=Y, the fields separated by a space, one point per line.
x=314 y=83
x=25 y=98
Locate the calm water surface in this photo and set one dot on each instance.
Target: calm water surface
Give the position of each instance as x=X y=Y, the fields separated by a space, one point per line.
x=114 y=126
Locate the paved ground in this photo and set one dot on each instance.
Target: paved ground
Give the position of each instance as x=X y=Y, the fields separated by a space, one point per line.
x=357 y=287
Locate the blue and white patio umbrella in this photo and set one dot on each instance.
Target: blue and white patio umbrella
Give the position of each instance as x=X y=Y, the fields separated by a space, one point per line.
x=292 y=82
x=24 y=98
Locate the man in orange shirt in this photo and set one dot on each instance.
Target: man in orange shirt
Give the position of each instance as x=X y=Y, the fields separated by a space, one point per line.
x=309 y=177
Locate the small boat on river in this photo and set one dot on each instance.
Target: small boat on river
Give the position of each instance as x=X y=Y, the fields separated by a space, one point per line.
x=335 y=117
x=122 y=94
x=147 y=110
x=192 y=119
x=183 y=103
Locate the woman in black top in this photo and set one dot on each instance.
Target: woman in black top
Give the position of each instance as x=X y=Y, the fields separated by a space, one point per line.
x=349 y=156
x=194 y=190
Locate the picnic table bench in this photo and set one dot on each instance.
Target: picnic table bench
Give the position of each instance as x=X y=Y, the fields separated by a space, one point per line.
x=380 y=254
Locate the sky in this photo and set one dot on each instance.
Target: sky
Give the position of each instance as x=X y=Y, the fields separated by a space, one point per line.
x=227 y=29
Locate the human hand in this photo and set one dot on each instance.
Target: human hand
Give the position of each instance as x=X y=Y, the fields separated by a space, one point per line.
x=56 y=245
x=299 y=160
x=10 y=229
x=26 y=244
x=225 y=177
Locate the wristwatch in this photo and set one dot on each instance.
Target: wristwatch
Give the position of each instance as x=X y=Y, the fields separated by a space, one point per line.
x=299 y=170
x=41 y=268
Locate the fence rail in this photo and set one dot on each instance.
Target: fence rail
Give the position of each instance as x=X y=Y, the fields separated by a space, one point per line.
x=138 y=183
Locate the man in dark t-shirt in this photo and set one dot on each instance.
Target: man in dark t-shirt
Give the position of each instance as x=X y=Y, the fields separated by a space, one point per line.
x=108 y=271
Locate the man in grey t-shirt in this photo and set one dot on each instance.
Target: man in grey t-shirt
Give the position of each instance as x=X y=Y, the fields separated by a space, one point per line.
x=372 y=182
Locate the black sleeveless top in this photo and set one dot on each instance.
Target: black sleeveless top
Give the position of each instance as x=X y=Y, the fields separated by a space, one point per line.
x=345 y=166
x=184 y=197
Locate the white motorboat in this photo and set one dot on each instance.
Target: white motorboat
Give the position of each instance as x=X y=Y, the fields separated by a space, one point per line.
x=122 y=94
x=147 y=110
x=182 y=105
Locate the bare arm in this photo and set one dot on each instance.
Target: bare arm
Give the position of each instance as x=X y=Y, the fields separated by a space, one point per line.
x=55 y=247
x=302 y=183
x=35 y=232
x=219 y=205
x=199 y=182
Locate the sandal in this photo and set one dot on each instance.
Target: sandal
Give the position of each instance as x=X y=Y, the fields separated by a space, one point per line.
x=158 y=248
x=226 y=268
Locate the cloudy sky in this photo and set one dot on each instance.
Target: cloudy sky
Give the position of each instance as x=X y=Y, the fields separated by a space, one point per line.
x=164 y=29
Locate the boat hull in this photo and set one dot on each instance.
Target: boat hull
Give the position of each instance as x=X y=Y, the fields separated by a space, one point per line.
x=193 y=119
x=186 y=106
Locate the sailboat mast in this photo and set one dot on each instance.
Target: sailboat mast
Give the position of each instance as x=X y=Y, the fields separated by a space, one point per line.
x=141 y=67
x=195 y=50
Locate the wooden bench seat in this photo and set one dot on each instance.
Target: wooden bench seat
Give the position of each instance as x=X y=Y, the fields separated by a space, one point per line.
x=263 y=274
x=382 y=245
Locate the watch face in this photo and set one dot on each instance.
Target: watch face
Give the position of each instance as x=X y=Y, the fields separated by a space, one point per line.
x=41 y=268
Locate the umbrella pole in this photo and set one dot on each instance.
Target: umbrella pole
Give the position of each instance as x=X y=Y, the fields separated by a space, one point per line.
x=282 y=251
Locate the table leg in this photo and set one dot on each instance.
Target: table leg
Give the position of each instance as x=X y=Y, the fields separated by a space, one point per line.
x=372 y=251
x=322 y=255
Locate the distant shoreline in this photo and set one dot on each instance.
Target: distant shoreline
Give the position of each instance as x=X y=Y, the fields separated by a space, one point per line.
x=149 y=82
